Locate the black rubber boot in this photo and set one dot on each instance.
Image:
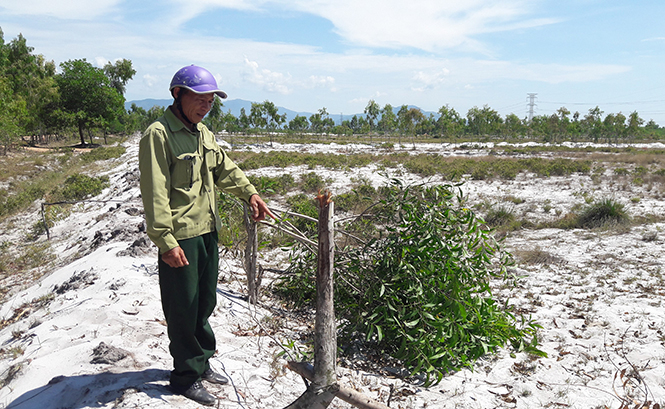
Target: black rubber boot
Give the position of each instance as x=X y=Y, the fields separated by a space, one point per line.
x=213 y=377
x=198 y=394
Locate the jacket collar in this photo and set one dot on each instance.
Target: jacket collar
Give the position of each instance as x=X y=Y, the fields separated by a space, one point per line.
x=175 y=124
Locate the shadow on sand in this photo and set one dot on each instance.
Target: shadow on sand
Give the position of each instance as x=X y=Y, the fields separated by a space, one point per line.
x=95 y=390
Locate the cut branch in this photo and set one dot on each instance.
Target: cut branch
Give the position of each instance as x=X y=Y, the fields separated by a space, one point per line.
x=351 y=396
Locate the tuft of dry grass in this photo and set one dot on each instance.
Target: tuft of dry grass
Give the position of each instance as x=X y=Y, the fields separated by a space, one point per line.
x=537 y=256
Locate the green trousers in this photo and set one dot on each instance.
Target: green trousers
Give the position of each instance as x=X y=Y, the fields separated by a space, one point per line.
x=189 y=296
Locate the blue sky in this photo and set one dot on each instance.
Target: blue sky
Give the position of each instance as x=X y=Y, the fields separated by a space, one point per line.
x=339 y=54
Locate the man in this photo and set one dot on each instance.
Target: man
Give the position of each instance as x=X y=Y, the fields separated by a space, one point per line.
x=181 y=164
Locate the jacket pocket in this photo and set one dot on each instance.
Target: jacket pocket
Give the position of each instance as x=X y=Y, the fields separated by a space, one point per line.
x=212 y=153
x=186 y=171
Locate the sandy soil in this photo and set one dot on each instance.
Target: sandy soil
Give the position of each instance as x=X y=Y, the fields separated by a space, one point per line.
x=89 y=333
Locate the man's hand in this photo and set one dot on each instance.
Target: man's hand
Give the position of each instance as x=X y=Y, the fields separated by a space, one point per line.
x=175 y=258
x=259 y=208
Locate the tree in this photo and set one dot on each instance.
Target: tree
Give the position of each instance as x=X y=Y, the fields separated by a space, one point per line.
x=119 y=74
x=483 y=121
x=408 y=119
x=514 y=126
x=320 y=122
x=563 y=122
x=450 y=123
x=592 y=124
x=388 y=121
x=244 y=121
x=298 y=124
x=273 y=119
x=87 y=97
x=214 y=120
x=372 y=112
x=634 y=123
x=615 y=126
x=31 y=79
x=12 y=112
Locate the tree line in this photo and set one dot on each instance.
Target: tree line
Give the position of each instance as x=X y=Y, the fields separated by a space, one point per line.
x=447 y=122
x=83 y=100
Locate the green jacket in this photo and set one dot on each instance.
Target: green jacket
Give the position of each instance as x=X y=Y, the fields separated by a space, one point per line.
x=179 y=172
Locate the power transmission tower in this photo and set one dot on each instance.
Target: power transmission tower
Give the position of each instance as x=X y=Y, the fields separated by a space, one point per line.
x=532 y=103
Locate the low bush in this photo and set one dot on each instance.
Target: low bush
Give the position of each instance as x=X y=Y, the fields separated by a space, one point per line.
x=103 y=153
x=269 y=186
x=420 y=291
x=79 y=187
x=231 y=213
x=303 y=204
x=312 y=183
x=10 y=204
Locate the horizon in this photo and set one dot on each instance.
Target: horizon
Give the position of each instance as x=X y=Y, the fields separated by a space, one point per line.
x=307 y=56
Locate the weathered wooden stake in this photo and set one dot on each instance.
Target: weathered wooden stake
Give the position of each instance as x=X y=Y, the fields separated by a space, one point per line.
x=325 y=328
x=323 y=388
x=251 y=250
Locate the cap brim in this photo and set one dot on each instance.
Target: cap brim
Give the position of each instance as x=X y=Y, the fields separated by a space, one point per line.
x=207 y=89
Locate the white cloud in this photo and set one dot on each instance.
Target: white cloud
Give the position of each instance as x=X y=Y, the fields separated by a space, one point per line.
x=319 y=81
x=431 y=25
x=283 y=83
x=149 y=80
x=430 y=80
x=100 y=61
x=65 y=9
x=268 y=80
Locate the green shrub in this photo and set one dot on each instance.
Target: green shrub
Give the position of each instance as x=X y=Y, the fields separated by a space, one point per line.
x=103 y=153
x=231 y=214
x=312 y=183
x=269 y=186
x=10 y=204
x=303 y=204
x=79 y=187
x=420 y=293
x=602 y=213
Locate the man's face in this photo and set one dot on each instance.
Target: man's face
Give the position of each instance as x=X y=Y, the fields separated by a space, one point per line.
x=196 y=106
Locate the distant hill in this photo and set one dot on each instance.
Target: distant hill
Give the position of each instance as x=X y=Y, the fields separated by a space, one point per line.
x=234 y=105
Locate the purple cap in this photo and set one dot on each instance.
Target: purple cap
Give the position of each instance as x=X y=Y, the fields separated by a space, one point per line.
x=196 y=79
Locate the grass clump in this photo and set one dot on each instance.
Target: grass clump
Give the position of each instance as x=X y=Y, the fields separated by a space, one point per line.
x=603 y=213
x=500 y=216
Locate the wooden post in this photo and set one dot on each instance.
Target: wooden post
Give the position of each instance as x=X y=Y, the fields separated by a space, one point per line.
x=251 y=250
x=325 y=329
x=323 y=388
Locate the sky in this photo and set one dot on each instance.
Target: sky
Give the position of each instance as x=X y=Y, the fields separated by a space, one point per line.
x=306 y=55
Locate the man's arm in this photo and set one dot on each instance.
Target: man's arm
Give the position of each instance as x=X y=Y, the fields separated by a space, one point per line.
x=259 y=208
x=155 y=189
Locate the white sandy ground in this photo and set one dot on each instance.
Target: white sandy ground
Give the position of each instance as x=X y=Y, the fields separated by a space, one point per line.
x=598 y=295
